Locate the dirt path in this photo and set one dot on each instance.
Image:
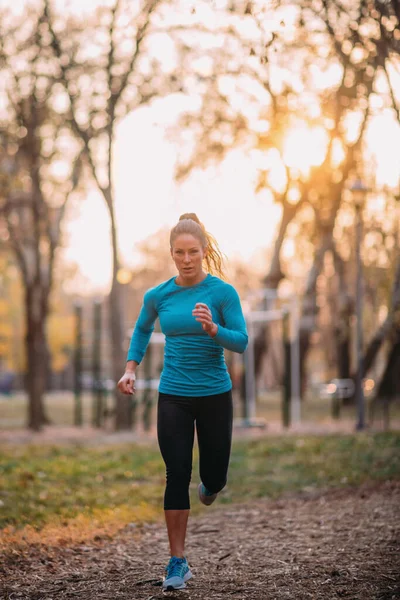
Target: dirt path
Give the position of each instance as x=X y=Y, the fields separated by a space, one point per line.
x=339 y=544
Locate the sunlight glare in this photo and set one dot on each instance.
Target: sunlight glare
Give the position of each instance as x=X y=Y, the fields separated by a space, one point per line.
x=383 y=143
x=304 y=147
x=338 y=153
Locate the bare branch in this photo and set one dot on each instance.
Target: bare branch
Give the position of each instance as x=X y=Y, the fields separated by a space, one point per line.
x=53 y=229
x=149 y=9
x=110 y=60
x=392 y=95
x=338 y=47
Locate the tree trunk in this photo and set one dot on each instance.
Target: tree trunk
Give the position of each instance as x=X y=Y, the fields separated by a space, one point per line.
x=343 y=316
x=123 y=413
x=272 y=281
x=343 y=348
x=309 y=310
x=36 y=352
x=389 y=386
x=381 y=334
x=275 y=274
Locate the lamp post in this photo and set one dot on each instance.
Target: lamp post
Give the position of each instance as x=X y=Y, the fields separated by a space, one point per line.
x=359 y=192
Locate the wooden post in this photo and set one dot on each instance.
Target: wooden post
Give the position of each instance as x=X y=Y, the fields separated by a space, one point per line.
x=97 y=389
x=286 y=388
x=147 y=392
x=78 y=366
x=335 y=407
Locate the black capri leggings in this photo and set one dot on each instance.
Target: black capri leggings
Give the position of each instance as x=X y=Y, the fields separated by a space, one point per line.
x=176 y=419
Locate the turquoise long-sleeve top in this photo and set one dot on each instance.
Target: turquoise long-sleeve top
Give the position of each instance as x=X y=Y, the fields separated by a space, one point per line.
x=194 y=363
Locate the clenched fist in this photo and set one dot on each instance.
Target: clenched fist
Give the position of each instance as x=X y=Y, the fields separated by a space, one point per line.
x=126 y=384
x=203 y=315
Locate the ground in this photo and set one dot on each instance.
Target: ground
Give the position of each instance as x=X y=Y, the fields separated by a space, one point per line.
x=321 y=545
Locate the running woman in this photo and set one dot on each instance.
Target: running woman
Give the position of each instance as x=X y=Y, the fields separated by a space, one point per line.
x=200 y=315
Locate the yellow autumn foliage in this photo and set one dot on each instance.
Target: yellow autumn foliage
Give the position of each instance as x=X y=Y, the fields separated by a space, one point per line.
x=60 y=333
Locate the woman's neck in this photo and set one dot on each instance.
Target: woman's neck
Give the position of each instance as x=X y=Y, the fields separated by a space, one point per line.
x=185 y=282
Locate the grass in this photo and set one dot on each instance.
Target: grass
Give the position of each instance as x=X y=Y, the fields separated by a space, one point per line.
x=46 y=490
x=319 y=410
x=271 y=467
x=43 y=483
x=60 y=409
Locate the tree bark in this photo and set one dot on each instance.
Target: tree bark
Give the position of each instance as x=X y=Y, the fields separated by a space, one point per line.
x=36 y=354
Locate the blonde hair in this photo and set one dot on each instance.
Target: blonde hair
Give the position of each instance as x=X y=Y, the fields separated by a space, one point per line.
x=189 y=223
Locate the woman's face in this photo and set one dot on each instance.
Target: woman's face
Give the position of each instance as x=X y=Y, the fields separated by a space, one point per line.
x=188 y=254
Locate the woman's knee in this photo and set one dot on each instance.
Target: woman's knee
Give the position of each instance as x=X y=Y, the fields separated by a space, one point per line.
x=214 y=485
x=178 y=477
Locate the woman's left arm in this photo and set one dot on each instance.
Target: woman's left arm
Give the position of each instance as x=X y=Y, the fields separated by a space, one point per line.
x=233 y=335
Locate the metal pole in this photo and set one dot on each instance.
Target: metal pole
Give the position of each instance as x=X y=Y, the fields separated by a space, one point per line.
x=359 y=393
x=250 y=404
x=147 y=392
x=78 y=366
x=336 y=405
x=286 y=391
x=96 y=366
x=295 y=400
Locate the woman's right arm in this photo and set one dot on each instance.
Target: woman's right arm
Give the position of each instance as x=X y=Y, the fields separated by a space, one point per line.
x=140 y=339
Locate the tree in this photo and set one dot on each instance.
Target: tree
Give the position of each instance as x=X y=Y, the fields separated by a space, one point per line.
x=361 y=36
x=109 y=67
x=281 y=66
x=36 y=183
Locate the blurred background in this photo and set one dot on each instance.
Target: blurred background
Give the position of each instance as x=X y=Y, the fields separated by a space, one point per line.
x=277 y=123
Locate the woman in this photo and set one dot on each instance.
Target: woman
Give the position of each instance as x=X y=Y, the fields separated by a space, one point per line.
x=200 y=315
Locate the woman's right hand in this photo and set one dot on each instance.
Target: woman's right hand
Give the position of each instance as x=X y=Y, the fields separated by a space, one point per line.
x=126 y=384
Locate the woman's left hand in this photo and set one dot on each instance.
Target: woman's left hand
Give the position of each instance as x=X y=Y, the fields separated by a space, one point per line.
x=202 y=313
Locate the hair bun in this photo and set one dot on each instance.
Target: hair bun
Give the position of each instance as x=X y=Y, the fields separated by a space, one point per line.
x=191 y=217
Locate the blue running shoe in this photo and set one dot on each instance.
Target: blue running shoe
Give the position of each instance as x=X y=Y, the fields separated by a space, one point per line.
x=205 y=496
x=177 y=574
